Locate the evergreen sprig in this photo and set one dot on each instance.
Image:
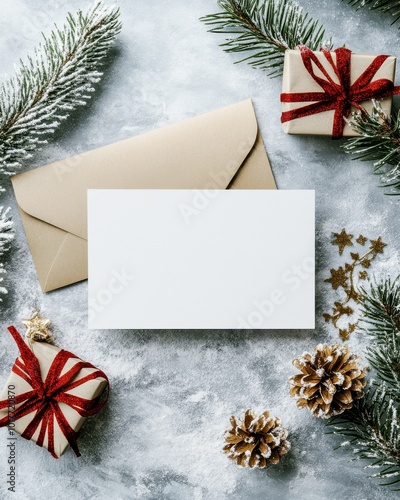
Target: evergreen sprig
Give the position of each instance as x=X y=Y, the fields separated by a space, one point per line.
x=373 y=424
x=391 y=7
x=56 y=79
x=385 y=358
x=379 y=142
x=6 y=233
x=265 y=29
x=372 y=428
x=381 y=311
x=6 y=236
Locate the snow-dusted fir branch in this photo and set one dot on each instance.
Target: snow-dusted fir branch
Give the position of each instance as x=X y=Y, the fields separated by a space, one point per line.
x=265 y=29
x=381 y=309
x=391 y=7
x=372 y=426
x=6 y=236
x=379 y=142
x=381 y=320
x=372 y=429
x=6 y=233
x=56 y=79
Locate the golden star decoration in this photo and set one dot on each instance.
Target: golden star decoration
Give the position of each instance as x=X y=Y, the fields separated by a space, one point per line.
x=342 y=309
x=342 y=240
x=37 y=328
x=377 y=245
x=338 y=278
x=361 y=240
x=345 y=277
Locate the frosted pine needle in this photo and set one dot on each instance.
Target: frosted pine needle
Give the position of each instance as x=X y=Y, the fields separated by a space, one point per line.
x=6 y=236
x=372 y=426
x=264 y=29
x=379 y=142
x=56 y=79
x=391 y=7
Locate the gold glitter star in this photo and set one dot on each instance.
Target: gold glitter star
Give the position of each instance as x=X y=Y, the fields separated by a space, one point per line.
x=352 y=327
x=361 y=240
x=377 y=245
x=338 y=278
x=37 y=328
x=344 y=277
x=366 y=263
x=341 y=310
x=342 y=240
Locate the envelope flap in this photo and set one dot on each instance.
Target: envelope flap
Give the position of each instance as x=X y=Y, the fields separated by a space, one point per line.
x=204 y=152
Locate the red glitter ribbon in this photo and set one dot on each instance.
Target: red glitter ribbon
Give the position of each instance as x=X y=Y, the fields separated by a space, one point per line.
x=339 y=96
x=45 y=396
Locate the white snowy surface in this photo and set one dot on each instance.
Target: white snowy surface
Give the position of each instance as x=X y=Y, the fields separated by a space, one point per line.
x=160 y=437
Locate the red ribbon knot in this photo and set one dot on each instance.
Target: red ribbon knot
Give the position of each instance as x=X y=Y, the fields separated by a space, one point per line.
x=338 y=95
x=45 y=396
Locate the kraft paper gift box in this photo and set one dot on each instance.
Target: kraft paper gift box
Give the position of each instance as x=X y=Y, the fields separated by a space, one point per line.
x=297 y=79
x=88 y=383
x=218 y=150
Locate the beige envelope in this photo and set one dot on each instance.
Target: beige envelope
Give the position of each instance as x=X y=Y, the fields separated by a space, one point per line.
x=218 y=150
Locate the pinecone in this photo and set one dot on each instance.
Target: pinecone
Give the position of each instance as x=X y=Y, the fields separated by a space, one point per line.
x=331 y=379
x=256 y=441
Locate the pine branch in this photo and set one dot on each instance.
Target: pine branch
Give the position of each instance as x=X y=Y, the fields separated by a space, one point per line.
x=58 y=78
x=381 y=322
x=3 y=289
x=372 y=428
x=265 y=29
x=385 y=358
x=381 y=309
x=391 y=7
x=379 y=142
x=6 y=233
x=6 y=236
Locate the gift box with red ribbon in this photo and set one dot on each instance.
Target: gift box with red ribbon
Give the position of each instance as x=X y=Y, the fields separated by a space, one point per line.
x=49 y=394
x=321 y=89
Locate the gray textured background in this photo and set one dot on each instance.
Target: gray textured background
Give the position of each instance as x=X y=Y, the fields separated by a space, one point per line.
x=173 y=392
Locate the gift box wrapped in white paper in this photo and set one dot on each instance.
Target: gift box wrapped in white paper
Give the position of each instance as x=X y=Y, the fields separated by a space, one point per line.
x=339 y=80
x=49 y=394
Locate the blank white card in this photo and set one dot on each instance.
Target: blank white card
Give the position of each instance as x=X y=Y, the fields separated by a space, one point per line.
x=190 y=259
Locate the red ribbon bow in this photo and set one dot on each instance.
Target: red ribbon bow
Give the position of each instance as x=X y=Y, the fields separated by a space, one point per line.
x=45 y=396
x=340 y=95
